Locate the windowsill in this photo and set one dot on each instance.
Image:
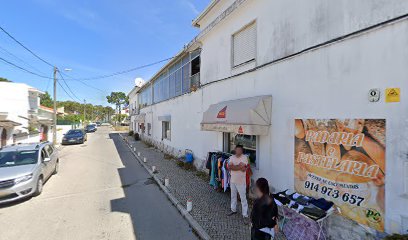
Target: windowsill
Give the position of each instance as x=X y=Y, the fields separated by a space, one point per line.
x=243 y=67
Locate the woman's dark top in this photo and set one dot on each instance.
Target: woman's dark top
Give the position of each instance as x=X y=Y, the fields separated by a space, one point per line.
x=263 y=215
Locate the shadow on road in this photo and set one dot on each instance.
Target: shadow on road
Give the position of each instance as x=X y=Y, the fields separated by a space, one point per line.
x=152 y=215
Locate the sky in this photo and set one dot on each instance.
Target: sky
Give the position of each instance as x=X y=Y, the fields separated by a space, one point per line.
x=93 y=38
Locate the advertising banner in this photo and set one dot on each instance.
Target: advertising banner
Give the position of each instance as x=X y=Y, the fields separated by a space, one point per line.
x=343 y=160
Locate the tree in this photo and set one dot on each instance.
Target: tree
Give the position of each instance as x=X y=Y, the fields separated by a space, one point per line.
x=4 y=80
x=46 y=100
x=118 y=99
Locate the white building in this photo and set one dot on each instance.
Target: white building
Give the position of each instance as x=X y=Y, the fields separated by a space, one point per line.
x=257 y=66
x=133 y=108
x=21 y=119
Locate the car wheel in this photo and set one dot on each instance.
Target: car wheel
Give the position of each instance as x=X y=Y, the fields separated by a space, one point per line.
x=56 y=169
x=39 y=188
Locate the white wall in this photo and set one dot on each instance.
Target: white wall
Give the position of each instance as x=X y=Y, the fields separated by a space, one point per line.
x=288 y=26
x=15 y=100
x=331 y=82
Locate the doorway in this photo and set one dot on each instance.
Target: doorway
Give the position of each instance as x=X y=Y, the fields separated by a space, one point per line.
x=3 y=137
x=249 y=142
x=44 y=136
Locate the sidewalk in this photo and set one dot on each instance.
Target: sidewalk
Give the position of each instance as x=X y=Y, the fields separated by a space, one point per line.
x=210 y=208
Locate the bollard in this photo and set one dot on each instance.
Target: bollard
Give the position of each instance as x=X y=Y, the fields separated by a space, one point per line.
x=138 y=154
x=189 y=204
x=153 y=169
x=144 y=160
x=166 y=182
x=131 y=145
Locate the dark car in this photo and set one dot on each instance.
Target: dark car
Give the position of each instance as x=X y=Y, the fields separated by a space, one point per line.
x=74 y=136
x=90 y=128
x=98 y=124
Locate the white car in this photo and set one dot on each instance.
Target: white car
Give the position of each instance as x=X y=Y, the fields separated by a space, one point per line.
x=24 y=168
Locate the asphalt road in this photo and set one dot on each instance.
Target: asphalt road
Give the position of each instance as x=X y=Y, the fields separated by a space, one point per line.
x=100 y=192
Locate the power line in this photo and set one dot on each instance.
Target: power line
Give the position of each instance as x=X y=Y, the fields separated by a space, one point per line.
x=21 y=60
x=124 y=71
x=69 y=89
x=23 y=69
x=66 y=91
x=26 y=48
x=84 y=83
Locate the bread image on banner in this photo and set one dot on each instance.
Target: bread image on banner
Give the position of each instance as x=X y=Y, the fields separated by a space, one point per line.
x=343 y=160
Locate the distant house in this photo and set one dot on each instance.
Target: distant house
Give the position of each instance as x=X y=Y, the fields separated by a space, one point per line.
x=21 y=118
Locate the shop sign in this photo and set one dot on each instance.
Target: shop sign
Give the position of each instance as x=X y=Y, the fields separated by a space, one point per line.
x=240 y=130
x=343 y=160
x=392 y=95
x=222 y=113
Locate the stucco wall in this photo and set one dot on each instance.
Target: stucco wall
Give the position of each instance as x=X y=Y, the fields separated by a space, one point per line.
x=285 y=27
x=330 y=82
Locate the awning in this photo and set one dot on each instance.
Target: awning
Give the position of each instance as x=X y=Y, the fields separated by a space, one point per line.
x=140 y=118
x=250 y=116
x=165 y=118
x=45 y=121
x=6 y=121
x=8 y=124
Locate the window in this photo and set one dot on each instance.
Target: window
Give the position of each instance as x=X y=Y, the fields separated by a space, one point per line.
x=49 y=150
x=149 y=128
x=44 y=154
x=247 y=141
x=166 y=133
x=244 y=45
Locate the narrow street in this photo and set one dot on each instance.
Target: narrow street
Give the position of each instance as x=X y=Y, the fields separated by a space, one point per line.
x=100 y=192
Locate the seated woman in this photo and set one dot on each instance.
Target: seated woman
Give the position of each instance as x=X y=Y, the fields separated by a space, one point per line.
x=264 y=213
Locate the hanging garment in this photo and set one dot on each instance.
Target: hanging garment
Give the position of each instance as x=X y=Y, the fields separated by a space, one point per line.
x=248 y=175
x=213 y=181
x=226 y=176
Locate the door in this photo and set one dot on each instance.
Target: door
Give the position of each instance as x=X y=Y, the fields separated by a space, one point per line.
x=53 y=159
x=3 y=137
x=45 y=165
x=44 y=134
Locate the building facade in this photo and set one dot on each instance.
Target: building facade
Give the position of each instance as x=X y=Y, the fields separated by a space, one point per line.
x=299 y=84
x=22 y=120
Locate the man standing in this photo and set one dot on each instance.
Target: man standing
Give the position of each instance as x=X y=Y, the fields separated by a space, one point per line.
x=238 y=164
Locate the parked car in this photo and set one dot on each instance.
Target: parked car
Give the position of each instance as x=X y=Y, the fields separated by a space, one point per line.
x=74 y=136
x=98 y=124
x=90 y=128
x=24 y=169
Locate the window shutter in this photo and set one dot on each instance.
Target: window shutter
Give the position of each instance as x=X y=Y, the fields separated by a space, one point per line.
x=244 y=45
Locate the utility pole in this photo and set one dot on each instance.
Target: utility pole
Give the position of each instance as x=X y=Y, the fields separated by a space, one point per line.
x=54 y=130
x=84 y=111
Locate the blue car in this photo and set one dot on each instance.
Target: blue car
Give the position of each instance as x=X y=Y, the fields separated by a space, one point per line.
x=74 y=136
x=90 y=128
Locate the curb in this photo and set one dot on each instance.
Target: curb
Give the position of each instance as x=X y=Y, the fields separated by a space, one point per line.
x=193 y=223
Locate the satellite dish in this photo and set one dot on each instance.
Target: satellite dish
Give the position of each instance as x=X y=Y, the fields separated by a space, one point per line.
x=139 y=82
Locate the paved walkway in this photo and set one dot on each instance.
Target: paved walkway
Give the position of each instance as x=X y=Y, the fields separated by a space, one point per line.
x=209 y=207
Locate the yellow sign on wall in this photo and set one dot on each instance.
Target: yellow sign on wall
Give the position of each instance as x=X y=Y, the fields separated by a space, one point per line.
x=392 y=95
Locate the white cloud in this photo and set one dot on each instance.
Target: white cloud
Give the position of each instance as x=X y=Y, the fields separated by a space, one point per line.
x=192 y=7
